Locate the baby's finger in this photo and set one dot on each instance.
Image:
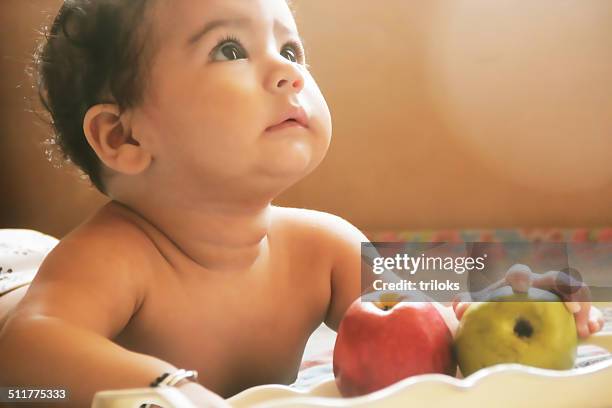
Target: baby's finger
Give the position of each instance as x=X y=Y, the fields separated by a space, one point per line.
x=594 y=326
x=582 y=315
x=582 y=320
x=573 y=307
x=520 y=277
x=578 y=299
x=596 y=320
x=575 y=295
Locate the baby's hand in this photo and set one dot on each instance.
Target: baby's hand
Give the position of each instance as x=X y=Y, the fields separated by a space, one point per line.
x=578 y=300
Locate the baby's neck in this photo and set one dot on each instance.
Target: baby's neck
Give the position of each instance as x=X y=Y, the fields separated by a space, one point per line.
x=216 y=237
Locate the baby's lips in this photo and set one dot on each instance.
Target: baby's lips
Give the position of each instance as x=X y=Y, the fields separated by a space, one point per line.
x=294 y=113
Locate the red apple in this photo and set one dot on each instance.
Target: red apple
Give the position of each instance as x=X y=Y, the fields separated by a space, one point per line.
x=381 y=343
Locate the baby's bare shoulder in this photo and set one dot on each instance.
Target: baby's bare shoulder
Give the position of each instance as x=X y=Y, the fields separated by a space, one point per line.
x=110 y=235
x=339 y=240
x=95 y=277
x=325 y=234
x=318 y=224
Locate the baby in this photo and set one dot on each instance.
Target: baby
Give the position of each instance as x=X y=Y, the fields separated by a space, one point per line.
x=191 y=116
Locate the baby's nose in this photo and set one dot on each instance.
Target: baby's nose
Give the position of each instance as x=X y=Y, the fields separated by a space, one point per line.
x=296 y=84
x=286 y=77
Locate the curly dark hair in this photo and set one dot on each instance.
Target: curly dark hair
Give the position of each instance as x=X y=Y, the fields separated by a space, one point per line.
x=94 y=52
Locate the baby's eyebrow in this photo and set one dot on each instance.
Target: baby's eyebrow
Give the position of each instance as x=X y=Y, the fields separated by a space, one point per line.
x=211 y=25
x=236 y=22
x=279 y=26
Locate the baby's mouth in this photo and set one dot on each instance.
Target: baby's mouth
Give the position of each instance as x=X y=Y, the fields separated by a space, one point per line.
x=285 y=124
x=295 y=117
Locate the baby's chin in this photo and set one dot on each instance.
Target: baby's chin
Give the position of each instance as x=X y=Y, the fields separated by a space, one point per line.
x=292 y=165
x=294 y=157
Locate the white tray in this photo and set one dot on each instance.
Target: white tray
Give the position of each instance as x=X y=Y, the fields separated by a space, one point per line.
x=502 y=386
x=507 y=385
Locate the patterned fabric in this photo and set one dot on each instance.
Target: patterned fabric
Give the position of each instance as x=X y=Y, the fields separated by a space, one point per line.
x=603 y=234
x=21 y=253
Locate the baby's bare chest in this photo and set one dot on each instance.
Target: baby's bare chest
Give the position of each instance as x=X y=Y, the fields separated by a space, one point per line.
x=237 y=331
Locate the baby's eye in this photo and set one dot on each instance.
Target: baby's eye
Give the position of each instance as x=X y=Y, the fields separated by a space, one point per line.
x=229 y=51
x=292 y=52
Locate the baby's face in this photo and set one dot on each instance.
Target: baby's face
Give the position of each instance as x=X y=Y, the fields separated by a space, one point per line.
x=225 y=72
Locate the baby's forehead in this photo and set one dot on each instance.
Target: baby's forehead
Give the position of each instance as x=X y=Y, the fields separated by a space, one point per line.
x=174 y=18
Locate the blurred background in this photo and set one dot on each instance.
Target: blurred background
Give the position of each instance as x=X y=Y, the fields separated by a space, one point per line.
x=447 y=114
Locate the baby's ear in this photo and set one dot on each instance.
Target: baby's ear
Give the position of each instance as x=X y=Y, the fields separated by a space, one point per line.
x=111 y=138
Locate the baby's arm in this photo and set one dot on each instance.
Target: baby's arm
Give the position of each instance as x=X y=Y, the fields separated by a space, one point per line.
x=59 y=335
x=345 y=243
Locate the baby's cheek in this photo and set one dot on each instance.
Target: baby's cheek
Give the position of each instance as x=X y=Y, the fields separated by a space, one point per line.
x=321 y=122
x=315 y=98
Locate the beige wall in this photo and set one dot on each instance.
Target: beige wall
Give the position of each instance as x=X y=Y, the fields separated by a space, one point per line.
x=447 y=113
